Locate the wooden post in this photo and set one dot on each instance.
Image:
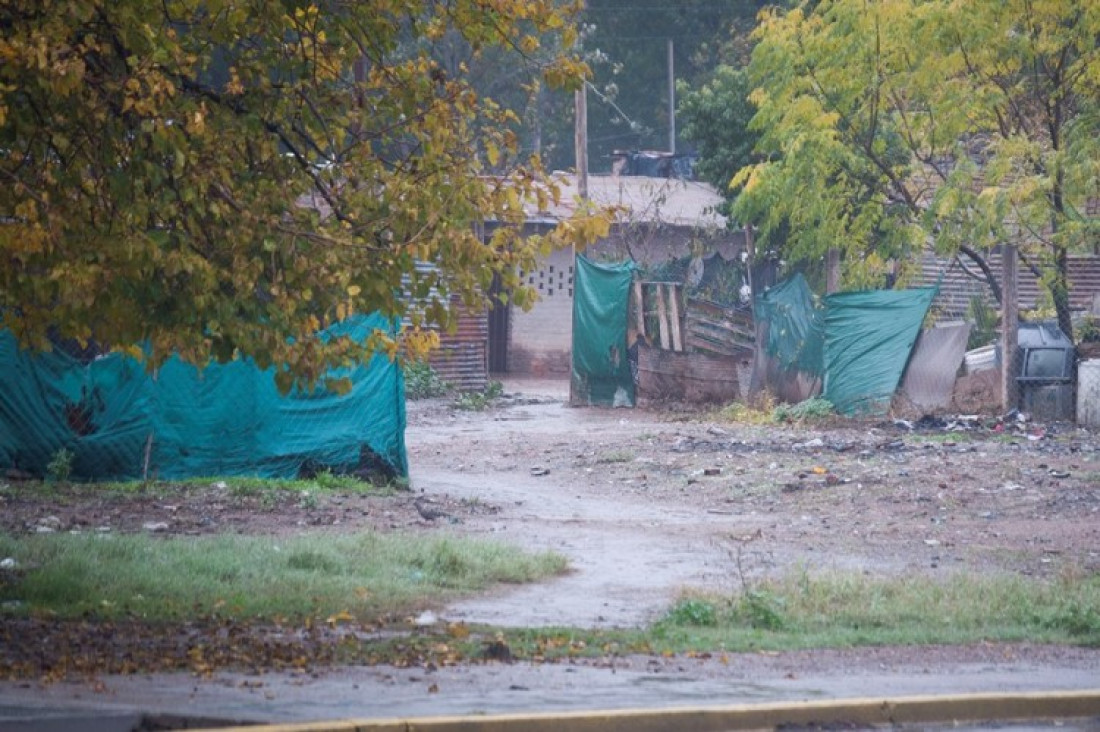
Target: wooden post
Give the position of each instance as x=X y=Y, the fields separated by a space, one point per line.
x=832 y=270
x=662 y=317
x=674 y=316
x=1010 y=319
x=639 y=309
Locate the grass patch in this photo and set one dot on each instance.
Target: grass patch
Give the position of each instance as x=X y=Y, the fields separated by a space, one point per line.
x=758 y=411
x=810 y=410
x=615 y=456
x=846 y=609
x=366 y=575
x=941 y=437
x=479 y=401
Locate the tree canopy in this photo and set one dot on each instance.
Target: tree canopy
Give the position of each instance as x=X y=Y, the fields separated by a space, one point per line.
x=891 y=125
x=218 y=178
x=715 y=117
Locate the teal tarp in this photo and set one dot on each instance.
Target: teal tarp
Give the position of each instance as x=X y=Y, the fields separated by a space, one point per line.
x=601 y=372
x=223 y=420
x=795 y=326
x=868 y=339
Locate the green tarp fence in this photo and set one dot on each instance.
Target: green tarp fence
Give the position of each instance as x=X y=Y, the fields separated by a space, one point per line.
x=868 y=339
x=795 y=325
x=121 y=423
x=601 y=373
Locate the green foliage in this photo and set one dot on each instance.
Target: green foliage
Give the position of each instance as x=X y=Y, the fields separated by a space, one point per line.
x=155 y=578
x=222 y=181
x=478 y=401
x=1088 y=330
x=805 y=411
x=424 y=382
x=715 y=117
x=60 y=466
x=890 y=124
x=838 y=609
x=761 y=610
x=692 y=612
x=983 y=323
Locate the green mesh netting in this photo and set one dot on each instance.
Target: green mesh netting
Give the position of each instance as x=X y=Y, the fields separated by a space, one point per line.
x=121 y=423
x=868 y=339
x=601 y=371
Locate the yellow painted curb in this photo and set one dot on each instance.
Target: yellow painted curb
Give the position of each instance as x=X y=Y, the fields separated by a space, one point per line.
x=904 y=710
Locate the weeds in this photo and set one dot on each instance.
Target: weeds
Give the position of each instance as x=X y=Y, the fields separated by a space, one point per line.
x=756 y=411
x=477 y=401
x=806 y=411
x=60 y=466
x=616 y=456
x=842 y=609
x=692 y=611
x=424 y=382
x=156 y=578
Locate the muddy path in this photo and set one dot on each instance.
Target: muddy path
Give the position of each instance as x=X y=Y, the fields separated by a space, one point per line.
x=648 y=503
x=645 y=503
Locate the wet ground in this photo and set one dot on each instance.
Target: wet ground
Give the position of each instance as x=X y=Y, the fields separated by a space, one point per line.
x=645 y=504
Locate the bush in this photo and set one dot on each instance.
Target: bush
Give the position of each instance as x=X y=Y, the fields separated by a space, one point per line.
x=816 y=408
x=423 y=382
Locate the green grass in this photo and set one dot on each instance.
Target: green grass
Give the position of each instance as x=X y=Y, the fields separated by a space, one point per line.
x=366 y=575
x=245 y=485
x=615 y=456
x=842 y=609
x=940 y=437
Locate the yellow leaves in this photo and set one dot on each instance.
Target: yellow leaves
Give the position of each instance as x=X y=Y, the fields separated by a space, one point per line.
x=234 y=86
x=337 y=618
x=197 y=124
x=529 y=44
x=419 y=342
x=492 y=153
x=203 y=171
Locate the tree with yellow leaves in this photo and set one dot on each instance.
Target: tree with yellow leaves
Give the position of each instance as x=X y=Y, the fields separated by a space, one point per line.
x=224 y=179
x=888 y=125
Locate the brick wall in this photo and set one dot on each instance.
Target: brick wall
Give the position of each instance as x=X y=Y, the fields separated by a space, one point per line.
x=541 y=338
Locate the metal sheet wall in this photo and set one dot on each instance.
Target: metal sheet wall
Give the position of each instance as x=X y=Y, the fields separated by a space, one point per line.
x=463 y=356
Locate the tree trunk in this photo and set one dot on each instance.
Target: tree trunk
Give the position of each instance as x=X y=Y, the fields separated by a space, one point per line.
x=1059 y=291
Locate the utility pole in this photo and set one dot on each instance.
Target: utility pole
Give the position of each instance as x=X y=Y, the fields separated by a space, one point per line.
x=671 y=102
x=1010 y=320
x=580 y=137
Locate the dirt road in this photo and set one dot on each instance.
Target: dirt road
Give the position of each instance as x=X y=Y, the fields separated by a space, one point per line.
x=646 y=503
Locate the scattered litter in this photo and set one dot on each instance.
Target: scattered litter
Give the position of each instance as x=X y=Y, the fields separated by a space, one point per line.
x=932 y=542
x=7 y=563
x=712 y=471
x=540 y=471
x=155 y=526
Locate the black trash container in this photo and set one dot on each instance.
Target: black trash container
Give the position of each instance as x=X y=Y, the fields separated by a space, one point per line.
x=1045 y=359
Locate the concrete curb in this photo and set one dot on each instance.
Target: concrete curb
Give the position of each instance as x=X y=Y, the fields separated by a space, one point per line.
x=904 y=710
